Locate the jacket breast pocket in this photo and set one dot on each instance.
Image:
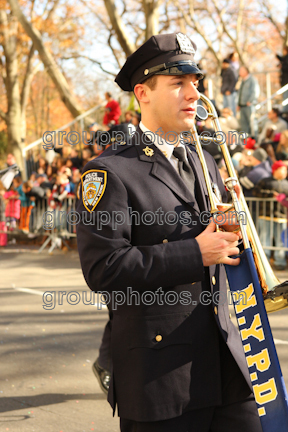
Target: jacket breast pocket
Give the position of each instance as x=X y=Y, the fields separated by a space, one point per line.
x=159 y=331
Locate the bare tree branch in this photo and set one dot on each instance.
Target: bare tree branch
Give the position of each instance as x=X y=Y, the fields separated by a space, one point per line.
x=233 y=40
x=51 y=12
x=119 y=28
x=192 y=22
x=52 y=68
x=267 y=7
x=76 y=56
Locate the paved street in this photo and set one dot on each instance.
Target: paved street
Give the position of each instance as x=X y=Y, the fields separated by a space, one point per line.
x=46 y=382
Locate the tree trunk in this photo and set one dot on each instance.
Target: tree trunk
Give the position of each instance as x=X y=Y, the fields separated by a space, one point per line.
x=48 y=61
x=13 y=115
x=152 y=17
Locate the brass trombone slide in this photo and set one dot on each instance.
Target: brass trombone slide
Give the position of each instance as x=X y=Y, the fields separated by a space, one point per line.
x=275 y=293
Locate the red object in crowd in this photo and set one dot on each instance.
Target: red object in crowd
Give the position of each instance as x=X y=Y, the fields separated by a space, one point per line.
x=12 y=208
x=250 y=143
x=277 y=164
x=277 y=137
x=3 y=235
x=113 y=113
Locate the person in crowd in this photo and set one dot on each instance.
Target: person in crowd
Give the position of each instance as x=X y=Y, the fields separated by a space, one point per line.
x=10 y=160
x=229 y=124
x=202 y=83
x=51 y=174
x=27 y=205
x=248 y=94
x=75 y=181
x=234 y=63
x=261 y=168
x=86 y=155
x=12 y=208
x=136 y=119
x=37 y=195
x=75 y=159
x=112 y=111
x=228 y=86
x=128 y=116
x=128 y=121
x=33 y=191
x=271 y=187
x=3 y=227
x=228 y=121
x=59 y=192
x=270 y=151
x=43 y=182
x=284 y=74
x=274 y=125
x=282 y=147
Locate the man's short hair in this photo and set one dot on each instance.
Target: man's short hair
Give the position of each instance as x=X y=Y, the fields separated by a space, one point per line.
x=276 y=111
x=150 y=82
x=245 y=67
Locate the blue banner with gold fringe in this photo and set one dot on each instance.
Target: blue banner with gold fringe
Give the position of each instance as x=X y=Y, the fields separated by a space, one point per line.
x=258 y=344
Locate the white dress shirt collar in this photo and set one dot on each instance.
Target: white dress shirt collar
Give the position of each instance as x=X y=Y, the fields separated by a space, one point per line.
x=160 y=143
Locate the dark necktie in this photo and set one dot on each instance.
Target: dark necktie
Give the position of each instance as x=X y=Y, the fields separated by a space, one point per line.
x=185 y=170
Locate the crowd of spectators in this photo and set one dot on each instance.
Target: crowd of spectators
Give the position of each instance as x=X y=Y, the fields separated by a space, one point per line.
x=261 y=166
x=55 y=176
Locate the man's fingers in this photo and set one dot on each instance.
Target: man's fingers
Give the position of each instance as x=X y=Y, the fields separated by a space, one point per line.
x=233 y=251
x=230 y=237
x=231 y=261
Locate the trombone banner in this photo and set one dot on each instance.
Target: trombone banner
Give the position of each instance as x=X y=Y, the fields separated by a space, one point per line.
x=258 y=344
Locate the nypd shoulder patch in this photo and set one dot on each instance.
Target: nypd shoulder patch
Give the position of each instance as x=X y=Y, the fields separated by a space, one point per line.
x=93 y=188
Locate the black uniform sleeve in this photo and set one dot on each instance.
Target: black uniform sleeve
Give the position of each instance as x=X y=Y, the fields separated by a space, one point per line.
x=111 y=262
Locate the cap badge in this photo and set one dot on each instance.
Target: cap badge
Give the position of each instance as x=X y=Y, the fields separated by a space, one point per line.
x=148 y=151
x=185 y=43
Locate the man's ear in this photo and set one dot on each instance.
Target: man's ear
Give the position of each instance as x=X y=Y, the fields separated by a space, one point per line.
x=141 y=92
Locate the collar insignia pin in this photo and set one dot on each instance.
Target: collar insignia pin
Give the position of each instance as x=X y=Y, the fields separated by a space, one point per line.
x=148 y=151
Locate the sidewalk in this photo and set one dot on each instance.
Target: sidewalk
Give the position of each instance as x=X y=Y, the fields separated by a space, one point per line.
x=46 y=355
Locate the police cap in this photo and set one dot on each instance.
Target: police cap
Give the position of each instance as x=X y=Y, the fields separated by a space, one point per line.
x=164 y=54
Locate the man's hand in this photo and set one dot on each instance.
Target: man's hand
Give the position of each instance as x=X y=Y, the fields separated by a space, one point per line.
x=216 y=247
x=227 y=93
x=248 y=103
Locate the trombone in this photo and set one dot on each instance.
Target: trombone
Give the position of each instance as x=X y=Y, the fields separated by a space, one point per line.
x=275 y=294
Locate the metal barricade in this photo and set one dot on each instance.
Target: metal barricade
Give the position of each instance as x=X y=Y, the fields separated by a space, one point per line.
x=270 y=218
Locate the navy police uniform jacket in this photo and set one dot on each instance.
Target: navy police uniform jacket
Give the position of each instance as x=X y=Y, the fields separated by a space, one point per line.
x=174 y=354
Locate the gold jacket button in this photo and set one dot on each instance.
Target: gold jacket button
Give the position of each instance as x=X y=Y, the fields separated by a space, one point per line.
x=215 y=310
x=213 y=280
x=158 y=338
x=165 y=241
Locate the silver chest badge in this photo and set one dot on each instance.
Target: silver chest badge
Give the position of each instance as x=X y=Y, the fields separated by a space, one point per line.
x=185 y=43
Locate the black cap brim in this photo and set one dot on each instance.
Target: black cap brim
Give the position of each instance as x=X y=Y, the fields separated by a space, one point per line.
x=182 y=67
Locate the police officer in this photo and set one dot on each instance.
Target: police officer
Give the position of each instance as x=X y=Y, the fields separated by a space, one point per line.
x=177 y=360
